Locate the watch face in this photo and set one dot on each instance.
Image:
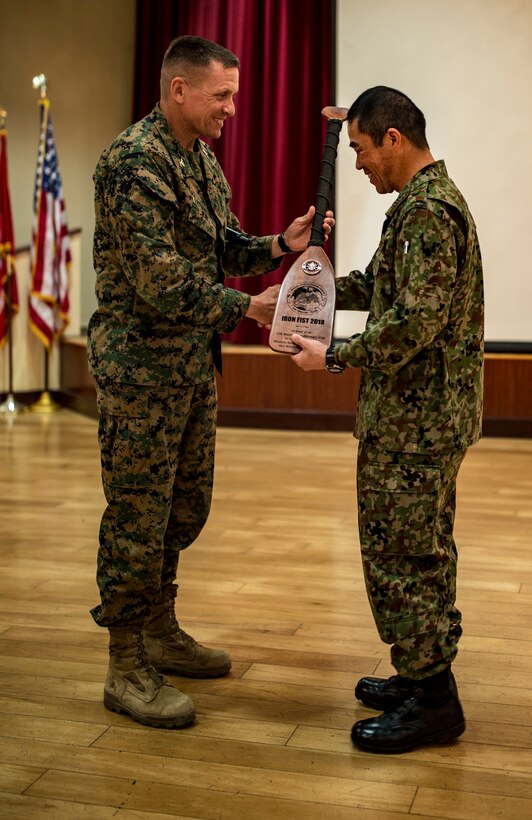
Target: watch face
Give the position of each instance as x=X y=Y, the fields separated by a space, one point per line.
x=331 y=365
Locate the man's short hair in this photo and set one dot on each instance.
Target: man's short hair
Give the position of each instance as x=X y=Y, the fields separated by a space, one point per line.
x=190 y=53
x=380 y=108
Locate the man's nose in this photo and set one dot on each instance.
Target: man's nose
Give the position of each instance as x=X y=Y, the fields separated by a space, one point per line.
x=229 y=109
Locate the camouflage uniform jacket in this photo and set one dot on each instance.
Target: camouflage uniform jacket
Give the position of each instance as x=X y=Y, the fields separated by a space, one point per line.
x=160 y=255
x=421 y=353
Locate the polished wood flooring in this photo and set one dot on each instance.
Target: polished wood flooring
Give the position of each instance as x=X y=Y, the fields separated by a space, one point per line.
x=276 y=578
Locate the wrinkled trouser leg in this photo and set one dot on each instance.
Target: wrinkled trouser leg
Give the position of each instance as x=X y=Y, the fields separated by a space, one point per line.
x=406 y=510
x=192 y=489
x=157 y=452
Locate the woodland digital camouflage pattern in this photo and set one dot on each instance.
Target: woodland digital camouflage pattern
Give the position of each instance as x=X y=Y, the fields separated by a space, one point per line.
x=161 y=252
x=420 y=407
x=157 y=482
x=160 y=255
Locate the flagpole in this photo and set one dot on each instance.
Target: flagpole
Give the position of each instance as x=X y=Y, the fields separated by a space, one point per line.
x=10 y=406
x=45 y=403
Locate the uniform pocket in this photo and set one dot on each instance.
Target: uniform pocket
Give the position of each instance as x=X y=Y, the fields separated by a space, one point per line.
x=464 y=367
x=127 y=435
x=398 y=508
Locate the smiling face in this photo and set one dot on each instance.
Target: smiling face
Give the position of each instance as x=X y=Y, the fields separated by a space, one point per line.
x=379 y=162
x=205 y=99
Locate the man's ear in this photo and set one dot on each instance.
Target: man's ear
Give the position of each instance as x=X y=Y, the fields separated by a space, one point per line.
x=177 y=88
x=395 y=137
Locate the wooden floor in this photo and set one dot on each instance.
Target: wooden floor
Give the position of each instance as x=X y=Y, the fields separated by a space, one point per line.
x=276 y=578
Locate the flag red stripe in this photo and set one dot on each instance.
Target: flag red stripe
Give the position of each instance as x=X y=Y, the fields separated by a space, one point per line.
x=49 y=300
x=7 y=246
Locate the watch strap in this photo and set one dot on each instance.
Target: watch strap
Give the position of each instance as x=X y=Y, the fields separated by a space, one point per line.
x=283 y=244
x=331 y=363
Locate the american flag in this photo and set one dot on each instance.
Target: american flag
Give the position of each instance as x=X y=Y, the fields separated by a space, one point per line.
x=7 y=246
x=50 y=252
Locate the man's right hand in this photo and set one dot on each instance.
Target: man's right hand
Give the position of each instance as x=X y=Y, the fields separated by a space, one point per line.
x=262 y=306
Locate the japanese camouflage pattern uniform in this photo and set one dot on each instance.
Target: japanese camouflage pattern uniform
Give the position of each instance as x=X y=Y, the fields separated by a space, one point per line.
x=162 y=247
x=420 y=407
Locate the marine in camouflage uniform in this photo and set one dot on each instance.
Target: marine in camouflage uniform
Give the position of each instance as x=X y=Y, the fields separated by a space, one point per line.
x=164 y=241
x=161 y=252
x=419 y=408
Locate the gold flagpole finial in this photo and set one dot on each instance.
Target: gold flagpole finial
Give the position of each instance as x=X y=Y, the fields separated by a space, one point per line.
x=41 y=82
x=3 y=118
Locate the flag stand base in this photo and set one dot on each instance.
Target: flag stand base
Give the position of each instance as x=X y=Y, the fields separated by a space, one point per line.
x=44 y=404
x=11 y=406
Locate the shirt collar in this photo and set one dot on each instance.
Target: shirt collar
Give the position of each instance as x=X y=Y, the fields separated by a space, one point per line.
x=432 y=171
x=188 y=160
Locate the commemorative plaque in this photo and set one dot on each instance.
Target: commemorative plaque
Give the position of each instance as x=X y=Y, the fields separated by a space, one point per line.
x=306 y=300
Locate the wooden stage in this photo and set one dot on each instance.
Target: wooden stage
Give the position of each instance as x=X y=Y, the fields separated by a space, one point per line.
x=265 y=389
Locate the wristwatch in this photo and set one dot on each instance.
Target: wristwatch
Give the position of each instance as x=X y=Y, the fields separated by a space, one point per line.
x=283 y=244
x=331 y=365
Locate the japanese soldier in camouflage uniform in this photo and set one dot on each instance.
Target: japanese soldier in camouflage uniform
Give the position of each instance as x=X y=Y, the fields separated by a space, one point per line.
x=165 y=238
x=420 y=407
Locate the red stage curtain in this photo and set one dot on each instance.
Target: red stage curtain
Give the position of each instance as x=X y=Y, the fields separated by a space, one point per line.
x=271 y=151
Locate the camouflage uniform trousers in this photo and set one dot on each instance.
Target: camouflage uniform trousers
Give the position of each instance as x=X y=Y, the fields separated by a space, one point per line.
x=157 y=455
x=406 y=511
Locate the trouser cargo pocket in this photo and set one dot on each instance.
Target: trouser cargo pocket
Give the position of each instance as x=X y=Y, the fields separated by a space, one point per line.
x=398 y=508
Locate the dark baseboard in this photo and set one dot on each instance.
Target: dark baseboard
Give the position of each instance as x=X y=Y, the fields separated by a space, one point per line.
x=507 y=428
x=28 y=397
x=344 y=422
x=518 y=348
x=285 y=419
x=83 y=401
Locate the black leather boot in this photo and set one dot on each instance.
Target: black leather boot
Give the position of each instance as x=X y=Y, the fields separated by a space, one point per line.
x=384 y=693
x=432 y=715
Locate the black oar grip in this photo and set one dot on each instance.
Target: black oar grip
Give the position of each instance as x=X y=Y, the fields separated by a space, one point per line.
x=325 y=183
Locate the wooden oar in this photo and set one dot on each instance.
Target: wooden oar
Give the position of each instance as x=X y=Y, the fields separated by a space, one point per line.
x=307 y=296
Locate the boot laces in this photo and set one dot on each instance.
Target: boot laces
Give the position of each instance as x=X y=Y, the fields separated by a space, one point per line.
x=142 y=660
x=179 y=633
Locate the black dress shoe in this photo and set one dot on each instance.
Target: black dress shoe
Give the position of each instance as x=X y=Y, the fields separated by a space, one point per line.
x=416 y=722
x=384 y=693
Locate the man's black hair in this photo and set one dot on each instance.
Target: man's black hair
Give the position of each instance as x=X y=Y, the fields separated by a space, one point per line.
x=380 y=108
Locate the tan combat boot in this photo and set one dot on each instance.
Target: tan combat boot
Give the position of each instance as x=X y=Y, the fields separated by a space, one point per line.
x=172 y=650
x=134 y=687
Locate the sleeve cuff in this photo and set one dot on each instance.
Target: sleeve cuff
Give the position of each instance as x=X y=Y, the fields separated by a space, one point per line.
x=352 y=352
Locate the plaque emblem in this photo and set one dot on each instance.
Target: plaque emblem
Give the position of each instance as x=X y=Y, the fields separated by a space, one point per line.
x=307 y=298
x=311 y=266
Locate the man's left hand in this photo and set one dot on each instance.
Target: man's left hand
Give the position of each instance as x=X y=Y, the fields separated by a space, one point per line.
x=311 y=355
x=297 y=235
